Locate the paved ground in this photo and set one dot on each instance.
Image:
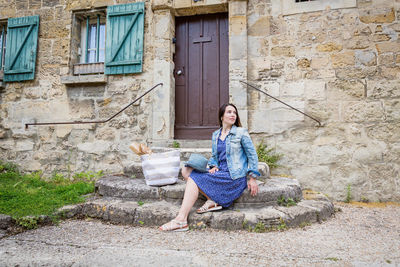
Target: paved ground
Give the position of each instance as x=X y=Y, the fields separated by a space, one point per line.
x=357 y=236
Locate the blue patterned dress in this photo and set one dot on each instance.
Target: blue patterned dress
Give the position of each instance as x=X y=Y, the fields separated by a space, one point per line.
x=219 y=186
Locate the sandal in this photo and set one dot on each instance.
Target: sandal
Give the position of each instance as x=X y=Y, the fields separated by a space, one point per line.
x=179 y=226
x=209 y=206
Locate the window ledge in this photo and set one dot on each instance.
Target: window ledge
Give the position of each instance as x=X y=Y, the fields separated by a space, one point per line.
x=84 y=79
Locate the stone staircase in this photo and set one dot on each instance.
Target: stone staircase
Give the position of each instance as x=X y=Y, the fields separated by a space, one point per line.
x=126 y=199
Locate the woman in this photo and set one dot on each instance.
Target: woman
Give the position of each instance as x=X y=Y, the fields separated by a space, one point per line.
x=233 y=159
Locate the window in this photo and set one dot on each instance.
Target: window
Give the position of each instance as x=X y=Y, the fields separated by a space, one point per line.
x=289 y=7
x=108 y=41
x=93 y=40
x=3 y=38
x=88 y=42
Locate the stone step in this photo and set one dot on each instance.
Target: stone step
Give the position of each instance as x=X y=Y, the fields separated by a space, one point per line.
x=270 y=191
x=182 y=143
x=135 y=170
x=158 y=212
x=185 y=152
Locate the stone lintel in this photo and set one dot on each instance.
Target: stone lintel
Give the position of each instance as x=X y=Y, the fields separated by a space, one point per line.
x=84 y=79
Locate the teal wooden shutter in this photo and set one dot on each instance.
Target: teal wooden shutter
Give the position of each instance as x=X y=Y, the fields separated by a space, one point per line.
x=22 y=36
x=124 y=44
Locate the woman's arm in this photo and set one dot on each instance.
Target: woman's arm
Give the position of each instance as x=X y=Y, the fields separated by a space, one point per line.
x=251 y=154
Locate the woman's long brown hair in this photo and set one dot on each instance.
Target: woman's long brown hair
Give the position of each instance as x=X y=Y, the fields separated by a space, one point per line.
x=222 y=112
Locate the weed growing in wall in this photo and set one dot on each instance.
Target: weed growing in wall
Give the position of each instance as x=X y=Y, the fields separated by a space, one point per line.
x=268 y=155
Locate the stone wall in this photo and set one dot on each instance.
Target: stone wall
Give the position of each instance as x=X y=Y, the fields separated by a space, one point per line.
x=71 y=148
x=342 y=67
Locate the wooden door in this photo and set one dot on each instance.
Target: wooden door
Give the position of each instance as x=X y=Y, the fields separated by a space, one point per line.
x=201 y=74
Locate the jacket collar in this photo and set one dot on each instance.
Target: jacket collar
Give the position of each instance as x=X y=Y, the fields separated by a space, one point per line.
x=232 y=131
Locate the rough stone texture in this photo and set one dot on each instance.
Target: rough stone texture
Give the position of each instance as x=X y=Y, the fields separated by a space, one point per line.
x=270 y=190
x=5 y=221
x=153 y=213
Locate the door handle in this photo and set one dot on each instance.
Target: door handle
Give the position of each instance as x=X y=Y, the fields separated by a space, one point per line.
x=179 y=72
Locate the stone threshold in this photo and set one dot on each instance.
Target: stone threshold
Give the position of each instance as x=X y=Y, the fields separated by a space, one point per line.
x=156 y=213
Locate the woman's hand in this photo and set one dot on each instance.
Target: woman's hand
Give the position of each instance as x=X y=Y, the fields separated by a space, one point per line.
x=213 y=170
x=252 y=186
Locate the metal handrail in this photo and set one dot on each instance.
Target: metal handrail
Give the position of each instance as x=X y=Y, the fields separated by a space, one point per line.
x=320 y=125
x=98 y=121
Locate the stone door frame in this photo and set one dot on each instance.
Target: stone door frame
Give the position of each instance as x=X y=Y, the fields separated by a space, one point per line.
x=164 y=12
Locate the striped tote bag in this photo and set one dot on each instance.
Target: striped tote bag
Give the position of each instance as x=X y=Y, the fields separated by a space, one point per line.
x=161 y=168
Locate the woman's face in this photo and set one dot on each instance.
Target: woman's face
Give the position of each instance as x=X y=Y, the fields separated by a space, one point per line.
x=230 y=116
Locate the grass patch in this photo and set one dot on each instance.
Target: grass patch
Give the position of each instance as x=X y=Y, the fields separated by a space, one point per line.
x=32 y=195
x=268 y=155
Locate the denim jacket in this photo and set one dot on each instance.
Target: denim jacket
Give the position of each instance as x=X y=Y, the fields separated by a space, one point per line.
x=241 y=155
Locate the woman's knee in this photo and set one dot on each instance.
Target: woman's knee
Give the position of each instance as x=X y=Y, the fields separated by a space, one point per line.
x=186 y=171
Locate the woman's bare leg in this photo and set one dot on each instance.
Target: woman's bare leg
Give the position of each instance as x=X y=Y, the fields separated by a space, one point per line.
x=189 y=198
x=186 y=171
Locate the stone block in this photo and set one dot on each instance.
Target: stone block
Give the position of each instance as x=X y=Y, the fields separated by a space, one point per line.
x=5 y=221
x=383 y=178
x=106 y=133
x=315 y=90
x=285 y=51
x=25 y=145
x=323 y=110
x=345 y=90
x=97 y=147
x=269 y=217
x=341 y=60
x=358 y=42
x=237 y=51
x=62 y=131
x=49 y=3
x=237 y=26
x=82 y=109
x=257 y=47
x=319 y=62
x=388 y=47
x=292 y=89
x=330 y=154
x=261 y=27
x=356 y=73
x=377 y=15
x=392 y=110
x=237 y=8
x=35 y=4
x=392 y=154
x=230 y=220
x=388 y=132
x=45 y=14
x=369 y=153
x=315 y=177
x=386 y=59
x=179 y=3
x=303 y=63
x=54 y=30
x=380 y=37
x=271 y=88
x=389 y=72
x=365 y=58
x=363 y=112
x=395 y=26
x=329 y=47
